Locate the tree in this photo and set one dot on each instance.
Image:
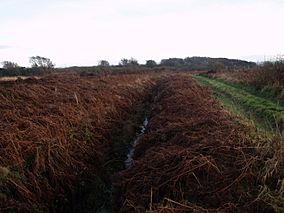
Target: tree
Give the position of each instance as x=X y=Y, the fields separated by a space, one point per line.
x=123 y=62
x=133 y=62
x=172 y=62
x=151 y=63
x=9 y=65
x=128 y=62
x=41 y=62
x=103 y=63
x=215 y=65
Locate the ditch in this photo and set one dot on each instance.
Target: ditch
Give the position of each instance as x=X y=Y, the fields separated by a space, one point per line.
x=123 y=136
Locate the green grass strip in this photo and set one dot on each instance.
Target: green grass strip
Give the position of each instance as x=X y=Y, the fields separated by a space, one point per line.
x=265 y=93
x=266 y=113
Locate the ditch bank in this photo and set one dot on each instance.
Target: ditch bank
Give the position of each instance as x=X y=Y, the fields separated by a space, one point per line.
x=63 y=136
x=123 y=136
x=195 y=157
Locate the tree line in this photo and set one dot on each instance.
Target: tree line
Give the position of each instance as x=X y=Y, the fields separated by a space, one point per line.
x=38 y=65
x=189 y=63
x=42 y=65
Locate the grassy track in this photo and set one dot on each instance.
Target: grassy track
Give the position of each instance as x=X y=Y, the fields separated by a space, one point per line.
x=264 y=112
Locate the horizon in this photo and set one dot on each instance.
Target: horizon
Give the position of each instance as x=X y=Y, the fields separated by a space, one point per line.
x=73 y=33
x=144 y=63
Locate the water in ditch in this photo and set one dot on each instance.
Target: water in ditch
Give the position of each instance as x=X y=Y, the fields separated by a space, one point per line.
x=128 y=162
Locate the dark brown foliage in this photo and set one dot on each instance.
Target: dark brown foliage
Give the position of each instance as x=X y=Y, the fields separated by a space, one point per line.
x=54 y=134
x=193 y=157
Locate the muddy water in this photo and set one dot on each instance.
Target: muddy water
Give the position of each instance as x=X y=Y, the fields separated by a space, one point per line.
x=128 y=162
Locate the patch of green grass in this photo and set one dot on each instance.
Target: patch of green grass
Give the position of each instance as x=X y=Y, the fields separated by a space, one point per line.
x=266 y=92
x=266 y=113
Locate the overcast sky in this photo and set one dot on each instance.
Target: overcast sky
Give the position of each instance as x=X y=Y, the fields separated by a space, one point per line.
x=82 y=32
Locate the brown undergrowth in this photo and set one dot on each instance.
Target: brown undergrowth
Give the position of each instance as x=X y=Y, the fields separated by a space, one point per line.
x=194 y=157
x=55 y=137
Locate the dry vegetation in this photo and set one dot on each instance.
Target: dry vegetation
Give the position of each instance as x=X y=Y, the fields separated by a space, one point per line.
x=55 y=135
x=196 y=158
x=64 y=139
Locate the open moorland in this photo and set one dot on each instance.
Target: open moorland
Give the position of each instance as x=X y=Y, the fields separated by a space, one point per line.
x=207 y=144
